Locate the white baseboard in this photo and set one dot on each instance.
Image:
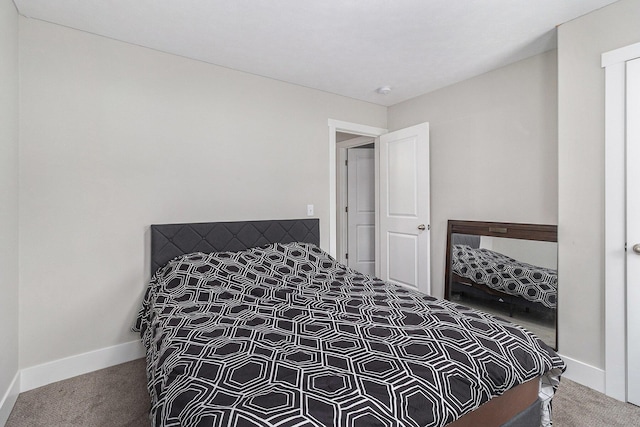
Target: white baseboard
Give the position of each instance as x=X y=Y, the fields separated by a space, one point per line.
x=9 y=399
x=58 y=370
x=584 y=374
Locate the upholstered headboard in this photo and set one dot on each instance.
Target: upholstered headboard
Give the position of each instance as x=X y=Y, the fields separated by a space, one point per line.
x=171 y=240
x=465 y=239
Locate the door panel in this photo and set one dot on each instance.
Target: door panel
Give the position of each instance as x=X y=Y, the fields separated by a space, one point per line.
x=366 y=239
x=404 y=203
x=403 y=250
x=361 y=209
x=403 y=181
x=633 y=231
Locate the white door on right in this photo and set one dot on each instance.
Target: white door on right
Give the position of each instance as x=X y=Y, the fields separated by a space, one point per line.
x=404 y=207
x=633 y=230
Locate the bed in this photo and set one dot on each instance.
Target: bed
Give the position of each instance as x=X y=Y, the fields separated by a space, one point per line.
x=490 y=274
x=252 y=324
x=503 y=275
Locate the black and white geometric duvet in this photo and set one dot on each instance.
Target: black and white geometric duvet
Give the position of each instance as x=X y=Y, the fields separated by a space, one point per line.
x=286 y=336
x=505 y=274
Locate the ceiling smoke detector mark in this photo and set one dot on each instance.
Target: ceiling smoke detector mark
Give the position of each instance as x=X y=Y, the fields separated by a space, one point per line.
x=384 y=90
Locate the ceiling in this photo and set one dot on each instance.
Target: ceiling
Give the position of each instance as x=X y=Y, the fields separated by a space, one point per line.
x=346 y=47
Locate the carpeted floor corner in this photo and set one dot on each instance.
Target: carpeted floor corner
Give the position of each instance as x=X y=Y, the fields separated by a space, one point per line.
x=575 y=405
x=117 y=397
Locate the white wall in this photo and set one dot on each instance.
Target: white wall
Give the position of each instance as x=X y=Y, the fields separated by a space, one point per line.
x=493 y=149
x=540 y=254
x=581 y=173
x=8 y=201
x=115 y=137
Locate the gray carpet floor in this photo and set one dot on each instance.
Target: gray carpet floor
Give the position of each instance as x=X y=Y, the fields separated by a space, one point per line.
x=117 y=396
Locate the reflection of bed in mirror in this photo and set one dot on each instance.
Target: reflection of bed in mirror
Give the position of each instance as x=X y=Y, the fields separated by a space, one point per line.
x=506 y=269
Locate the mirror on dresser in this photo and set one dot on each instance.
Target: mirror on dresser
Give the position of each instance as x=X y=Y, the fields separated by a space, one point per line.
x=506 y=269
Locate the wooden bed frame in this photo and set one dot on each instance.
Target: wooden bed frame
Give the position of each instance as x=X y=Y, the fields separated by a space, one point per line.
x=512 y=405
x=518 y=406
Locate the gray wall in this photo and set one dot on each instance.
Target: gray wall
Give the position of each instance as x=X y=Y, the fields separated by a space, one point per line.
x=493 y=149
x=115 y=137
x=581 y=173
x=8 y=196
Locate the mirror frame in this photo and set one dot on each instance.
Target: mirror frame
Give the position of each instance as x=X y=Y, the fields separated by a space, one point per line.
x=537 y=232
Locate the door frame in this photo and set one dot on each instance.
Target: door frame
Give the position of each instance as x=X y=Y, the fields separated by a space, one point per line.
x=355 y=129
x=614 y=63
x=342 y=229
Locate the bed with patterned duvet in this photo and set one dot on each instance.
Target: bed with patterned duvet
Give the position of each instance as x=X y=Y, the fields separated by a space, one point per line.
x=283 y=335
x=507 y=275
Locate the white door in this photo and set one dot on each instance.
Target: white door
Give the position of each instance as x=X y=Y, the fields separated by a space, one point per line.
x=633 y=231
x=404 y=207
x=361 y=209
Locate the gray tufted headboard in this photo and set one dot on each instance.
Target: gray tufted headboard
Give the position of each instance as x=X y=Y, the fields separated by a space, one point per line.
x=465 y=239
x=171 y=240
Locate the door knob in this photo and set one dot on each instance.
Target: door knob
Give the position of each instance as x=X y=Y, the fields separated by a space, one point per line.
x=421 y=227
x=636 y=248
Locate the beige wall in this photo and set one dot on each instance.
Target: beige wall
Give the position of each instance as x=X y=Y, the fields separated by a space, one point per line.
x=8 y=196
x=115 y=137
x=493 y=149
x=581 y=173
